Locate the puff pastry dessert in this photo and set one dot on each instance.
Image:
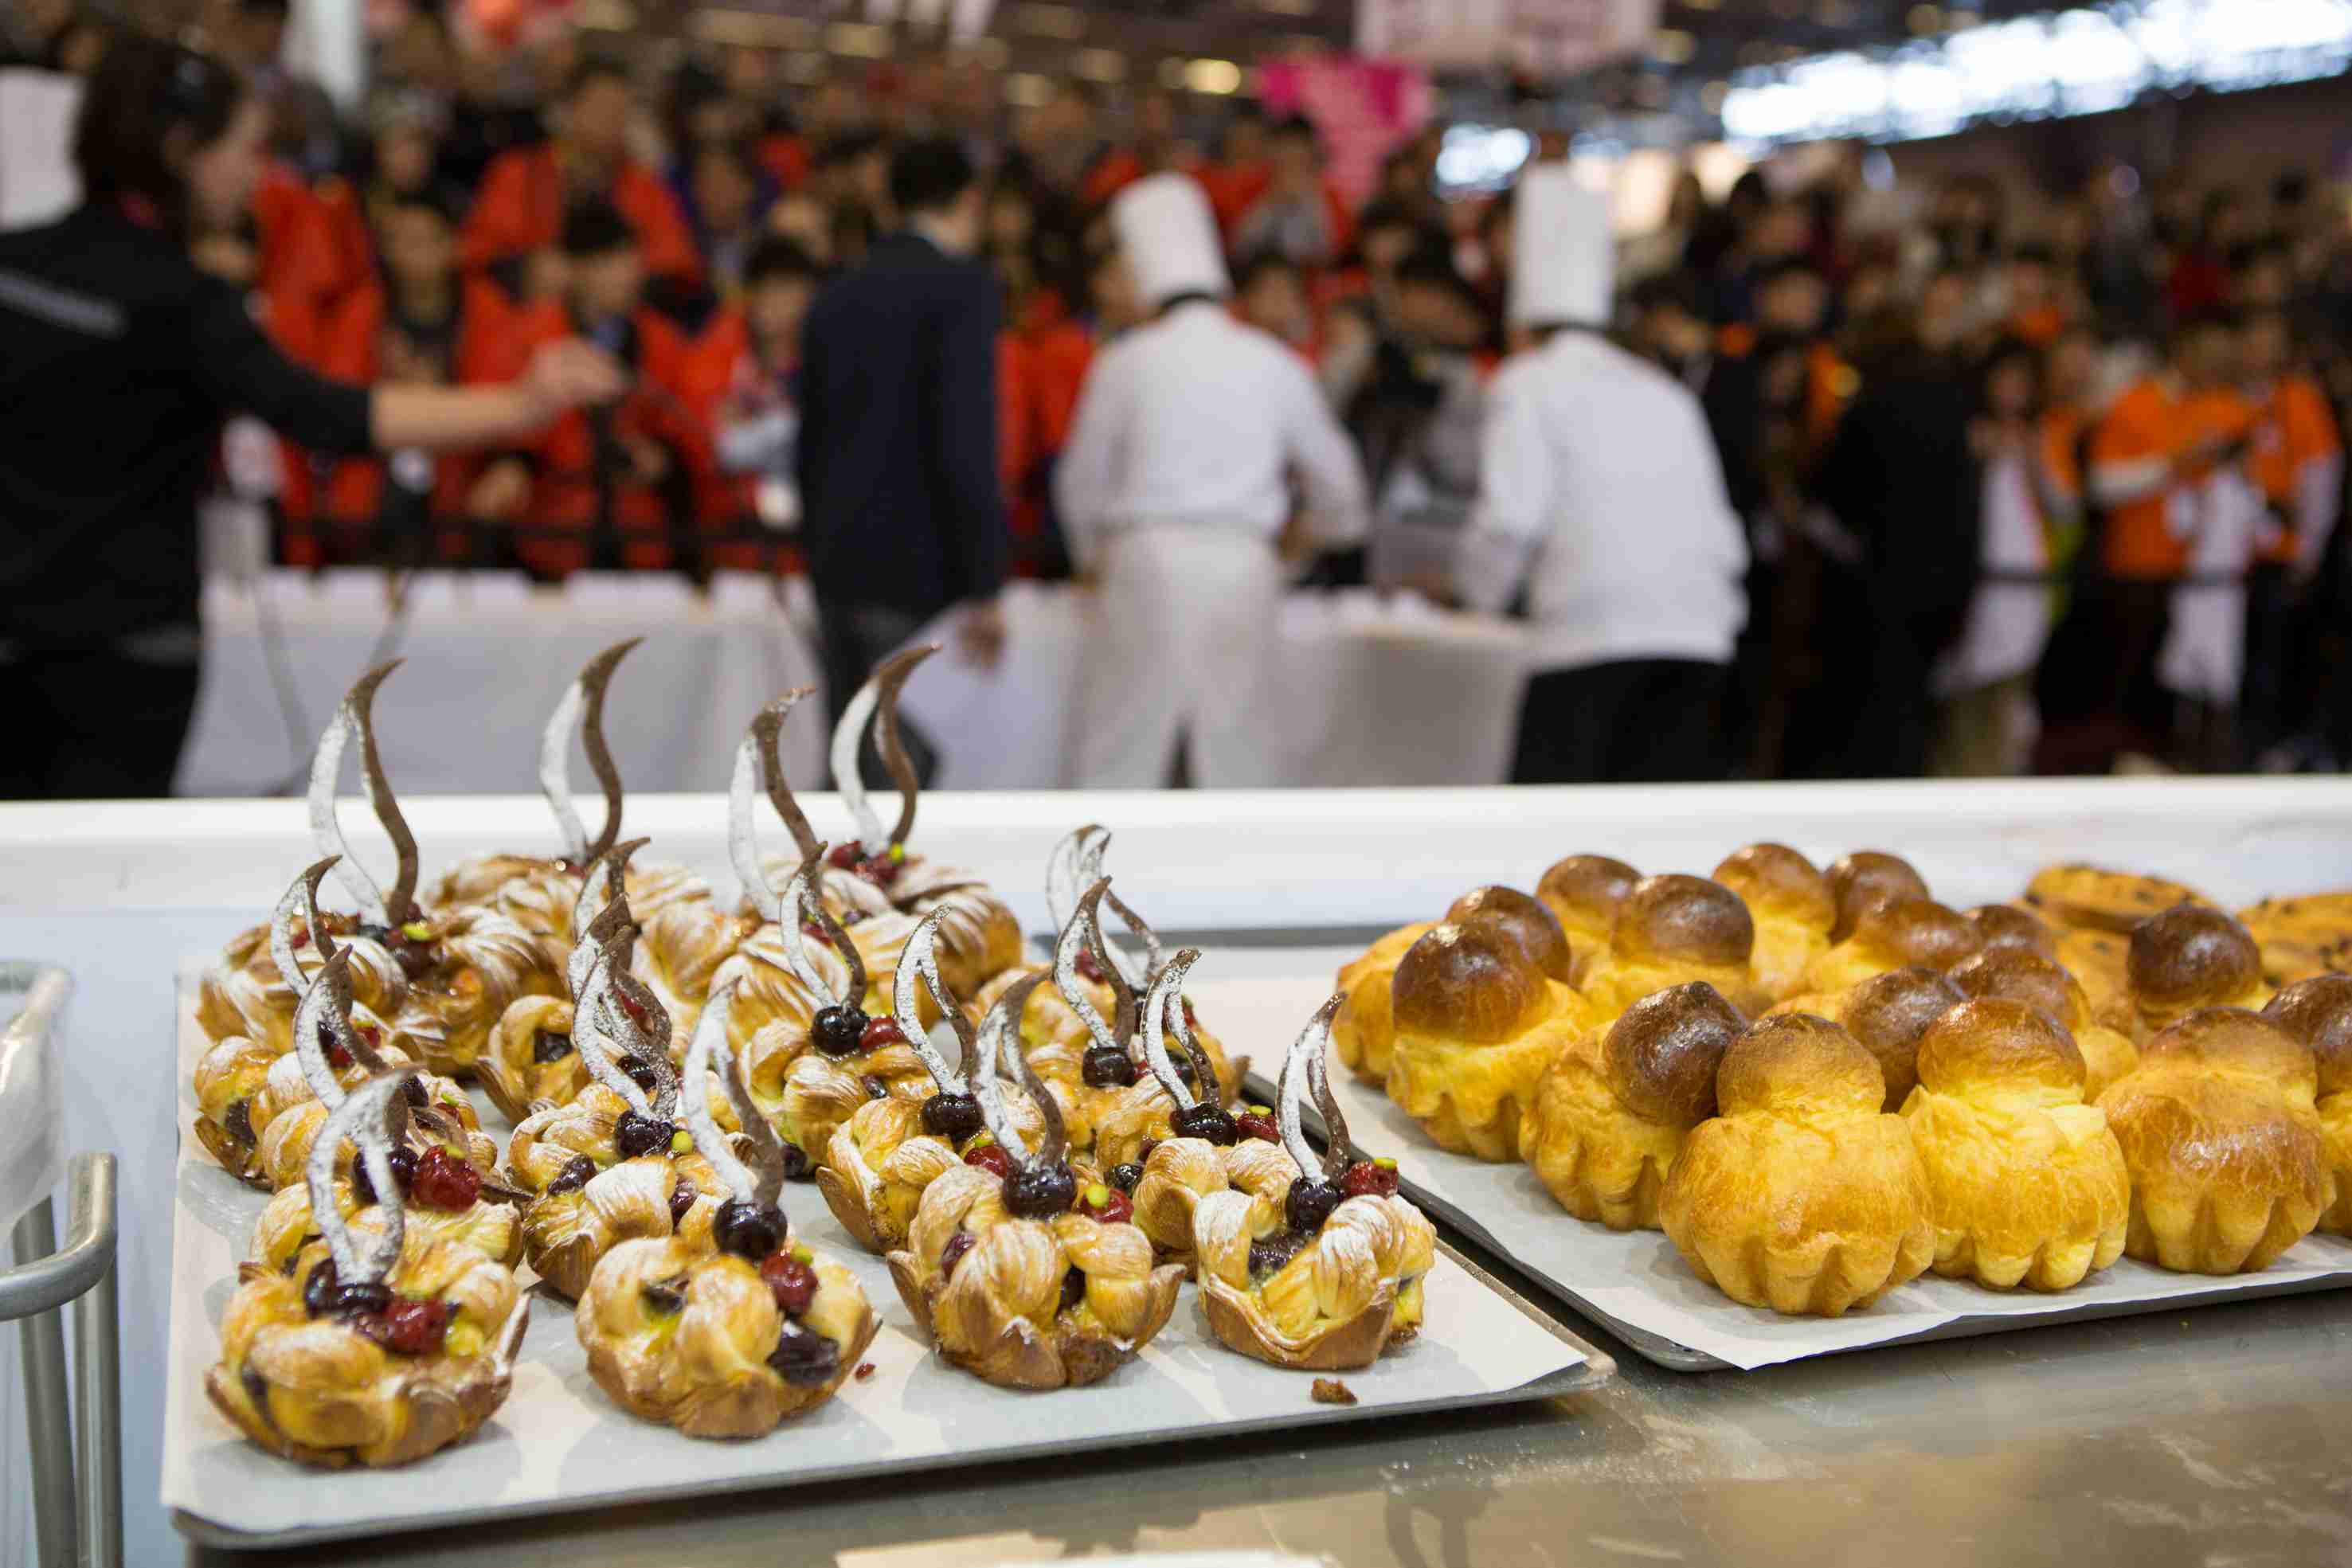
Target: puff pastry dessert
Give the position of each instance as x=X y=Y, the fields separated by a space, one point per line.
x=1029 y=1279
x=1612 y=1111
x=1895 y=934
x=1794 y=909
x=379 y=1347
x=1886 y=1015
x=2026 y=1183
x=1477 y=1023
x=2020 y=974
x=1584 y=893
x=2318 y=1012
x=728 y=1327
x=532 y=1061
x=1803 y=1196
x=1333 y=1276
x=2188 y=957
x=2220 y=1132
x=1672 y=930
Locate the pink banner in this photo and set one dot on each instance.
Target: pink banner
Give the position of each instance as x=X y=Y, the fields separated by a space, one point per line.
x=1361 y=108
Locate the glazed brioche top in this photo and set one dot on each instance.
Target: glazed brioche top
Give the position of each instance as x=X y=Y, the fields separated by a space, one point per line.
x=1799 y=1065
x=2021 y=974
x=1587 y=889
x=2001 y=1044
x=1888 y=1013
x=1530 y=924
x=2004 y=926
x=2236 y=1043
x=1470 y=981
x=1866 y=878
x=1684 y=919
x=2191 y=956
x=2318 y=1013
x=1663 y=1054
x=1777 y=879
x=1907 y=931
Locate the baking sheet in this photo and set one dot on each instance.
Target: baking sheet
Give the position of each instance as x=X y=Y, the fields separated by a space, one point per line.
x=558 y=1443
x=1637 y=1283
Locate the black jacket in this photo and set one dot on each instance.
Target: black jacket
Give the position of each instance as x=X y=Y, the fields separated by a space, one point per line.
x=118 y=362
x=897 y=463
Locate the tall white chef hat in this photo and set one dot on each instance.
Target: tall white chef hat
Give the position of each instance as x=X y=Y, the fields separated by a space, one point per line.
x=1170 y=237
x=1563 y=260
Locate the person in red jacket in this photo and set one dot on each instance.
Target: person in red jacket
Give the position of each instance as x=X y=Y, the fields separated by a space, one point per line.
x=423 y=324
x=746 y=375
x=520 y=215
x=1301 y=212
x=615 y=487
x=1240 y=174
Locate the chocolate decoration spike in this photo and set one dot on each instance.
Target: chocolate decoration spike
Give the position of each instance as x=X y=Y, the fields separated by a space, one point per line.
x=400 y=903
x=1054 y=1144
x=1339 y=1149
x=766 y=1184
x=364 y=1118
x=768 y=733
x=1152 y=951
x=919 y=965
x=1127 y=1020
x=354 y=716
x=1067 y=873
x=582 y=712
x=325 y=1010
x=802 y=901
x=600 y=1050
x=1000 y=1035
x=1297 y=1082
x=281 y=925
x=608 y=879
x=879 y=693
x=647 y=1041
x=1155 y=1028
x=1071 y=984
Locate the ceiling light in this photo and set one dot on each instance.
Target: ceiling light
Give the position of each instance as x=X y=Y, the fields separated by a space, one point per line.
x=1213 y=76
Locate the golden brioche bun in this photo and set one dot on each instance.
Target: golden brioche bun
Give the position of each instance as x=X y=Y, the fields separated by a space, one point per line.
x=2022 y=976
x=1865 y=879
x=1364 y=1032
x=2003 y=926
x=1583 y=893
x=2318 y=1013
x=1476 y=1021
x=1672 y=930
x=2191 y=957
x=1793 y=908
x=1894 y=934
x=1530 y=924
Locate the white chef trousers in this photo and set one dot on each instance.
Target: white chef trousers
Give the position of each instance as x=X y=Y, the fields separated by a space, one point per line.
x=1180 y=635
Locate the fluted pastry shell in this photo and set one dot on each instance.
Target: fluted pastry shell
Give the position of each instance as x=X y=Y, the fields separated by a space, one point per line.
x=245 y=996
x=875 y=1167
x=1477 y=1023
x=1352 y=1292
x=229 y=1078
x=318 y=1391
x=1803 y=1196
x=2026 y=1183
x=1182 y=1171
x=482 y=963
x=2219 y=1129
x=1794 y=909
x=566 y=1234
x=2317 y=1012
x=704 y=1368
x=286 y=1227
x=999 y=1317
x=1363 y=1033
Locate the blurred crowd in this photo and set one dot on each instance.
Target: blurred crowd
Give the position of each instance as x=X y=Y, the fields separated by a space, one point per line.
x=2030 y=482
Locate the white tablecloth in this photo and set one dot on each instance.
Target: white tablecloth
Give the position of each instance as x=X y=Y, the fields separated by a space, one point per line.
x=488 y=657
x=1366 y=690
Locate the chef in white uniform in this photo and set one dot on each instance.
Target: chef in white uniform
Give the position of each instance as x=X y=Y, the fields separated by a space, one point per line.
x=1194 y=438
x=1601 y=497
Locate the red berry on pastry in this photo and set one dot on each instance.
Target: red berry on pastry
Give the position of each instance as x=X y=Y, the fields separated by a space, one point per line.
x=445 y=1181
x=791 y=1281
x=990 y=1157
x=844 y=856
x=1088 y=967
x=301 y=938
x=879 y=1032
x=409 y=1328
x=881 y=870
x=1106 y=1204
x=1258 y=1121
x=1370 y=1178
x=816 y=933
x=952 y=1253
x=681 y=1200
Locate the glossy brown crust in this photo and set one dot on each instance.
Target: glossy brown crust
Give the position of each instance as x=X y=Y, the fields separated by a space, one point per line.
x=1675 y=918
x=1776 y=877
x=1661 y=1056
x=2019 y=975
x=1584 y=892
x=1887 y=1016
x=1867 y=878
x=2095 y=898
x=2234 y=1039
x=1917 y=931
x=2001 y=927
x=1363 y=1035
x=1472 y=983
x=1530 y=925
x=2317 y=1013
x=2000 y=1042
x=2188 y=957
x=1799 y=1057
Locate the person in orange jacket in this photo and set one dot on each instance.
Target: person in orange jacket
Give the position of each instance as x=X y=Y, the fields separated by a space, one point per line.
x=2298 y=464
x=616 y=486
x=424 y=323
x=520 y=215
x=1240 y=174
x=746 y=373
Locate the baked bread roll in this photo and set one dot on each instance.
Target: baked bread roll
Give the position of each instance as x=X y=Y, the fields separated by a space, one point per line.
x=1476 y=1022
x=1886 y=1015
x=2093 y=898
x=2101 y=961
x=2318 y=1013
x=1612 y=1111
x=1865 y=879
x=1364 y=1034
x=2190 y=957
x=1895 y=934
x=1794 y=909
x=2004 y=925
x=1672 y=930
x=1584 y=893
x=1803 y=1196
x=2219 y=1128
x=2300 y=938
x=2025 y=1183
x=2021 y=975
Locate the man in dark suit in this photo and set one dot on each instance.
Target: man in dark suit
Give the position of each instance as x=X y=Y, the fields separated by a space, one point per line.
x=902 y=516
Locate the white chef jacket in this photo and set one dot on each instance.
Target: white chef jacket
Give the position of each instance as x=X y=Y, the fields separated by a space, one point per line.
x=2009 y=618
x=1599 y=486
x=2203 y=655
x=1198 y=420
